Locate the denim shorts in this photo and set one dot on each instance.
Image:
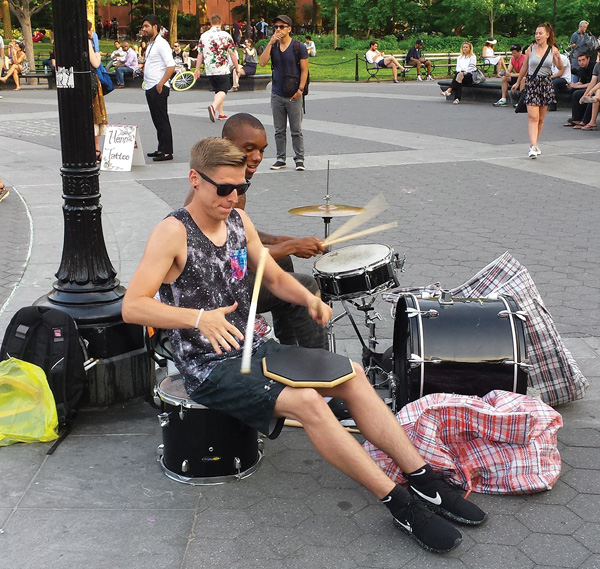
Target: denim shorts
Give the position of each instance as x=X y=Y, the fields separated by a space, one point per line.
x=248 y=397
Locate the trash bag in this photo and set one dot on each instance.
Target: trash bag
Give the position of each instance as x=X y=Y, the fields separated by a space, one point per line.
x=27 y=407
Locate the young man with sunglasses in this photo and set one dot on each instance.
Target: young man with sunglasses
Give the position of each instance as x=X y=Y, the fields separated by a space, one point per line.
x=292 y=324
x=289 y=60
x=198 y=258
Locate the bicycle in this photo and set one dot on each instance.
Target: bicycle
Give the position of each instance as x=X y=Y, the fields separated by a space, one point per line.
x=183 y=79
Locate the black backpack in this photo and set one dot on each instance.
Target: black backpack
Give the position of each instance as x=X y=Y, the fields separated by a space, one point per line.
x=49 y=339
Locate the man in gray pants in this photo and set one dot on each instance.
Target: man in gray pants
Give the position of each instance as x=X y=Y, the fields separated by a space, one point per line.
x=289 y=59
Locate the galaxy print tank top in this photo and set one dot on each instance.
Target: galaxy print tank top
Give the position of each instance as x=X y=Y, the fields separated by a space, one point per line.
x=213 y=277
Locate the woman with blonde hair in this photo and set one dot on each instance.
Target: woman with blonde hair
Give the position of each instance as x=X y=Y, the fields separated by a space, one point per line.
x=466 y=64
x=539 y=92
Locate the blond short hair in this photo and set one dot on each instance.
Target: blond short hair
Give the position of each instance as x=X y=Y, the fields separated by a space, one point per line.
x=215 y=19
x=210 y=153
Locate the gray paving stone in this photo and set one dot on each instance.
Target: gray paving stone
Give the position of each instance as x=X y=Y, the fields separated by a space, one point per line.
x=549 y=519
x=559 y=550
x=588 y=537
x=495 y=556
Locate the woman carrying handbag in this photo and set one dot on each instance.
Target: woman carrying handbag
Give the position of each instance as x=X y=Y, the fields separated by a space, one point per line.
x=538 y=84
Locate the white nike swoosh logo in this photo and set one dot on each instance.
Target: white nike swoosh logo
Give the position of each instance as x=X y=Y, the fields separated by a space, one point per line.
x=388 y=499
x=419 y=472
x=437 y=499
x=406 y=526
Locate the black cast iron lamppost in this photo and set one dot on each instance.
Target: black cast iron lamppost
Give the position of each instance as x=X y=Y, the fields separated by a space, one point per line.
x=86 y=285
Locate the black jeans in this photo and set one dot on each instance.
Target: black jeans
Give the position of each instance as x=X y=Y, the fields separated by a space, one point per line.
x=292 y=323
x=457 y=87
x=157 y=103
x=577 y=109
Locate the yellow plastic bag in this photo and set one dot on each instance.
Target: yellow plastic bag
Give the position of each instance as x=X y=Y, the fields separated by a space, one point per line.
x=27 y=407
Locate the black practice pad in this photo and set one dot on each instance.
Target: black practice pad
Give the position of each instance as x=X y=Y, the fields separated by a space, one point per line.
x=308 y=367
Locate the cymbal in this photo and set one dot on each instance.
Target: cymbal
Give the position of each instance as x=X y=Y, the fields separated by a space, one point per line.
x=327 y=210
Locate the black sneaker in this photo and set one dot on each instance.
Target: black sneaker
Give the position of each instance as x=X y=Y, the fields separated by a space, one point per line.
x=446 y=499
x=430 y=531
x=300 y=165
x=278 y=165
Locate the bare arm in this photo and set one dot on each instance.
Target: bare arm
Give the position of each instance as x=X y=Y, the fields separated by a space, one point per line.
x=163 y=261
x=281 y=246
x=523 y=71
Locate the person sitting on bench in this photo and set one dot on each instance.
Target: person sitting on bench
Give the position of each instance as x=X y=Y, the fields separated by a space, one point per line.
x=379 y=59
x=414 y=58
x=198 y=258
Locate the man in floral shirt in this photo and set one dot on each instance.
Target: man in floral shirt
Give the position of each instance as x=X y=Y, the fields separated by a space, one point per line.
x=217 y=50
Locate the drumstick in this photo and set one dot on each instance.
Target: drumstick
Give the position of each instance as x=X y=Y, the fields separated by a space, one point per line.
x=358 y=234
x=248 y=337
x=372 y=209
x=299 y=425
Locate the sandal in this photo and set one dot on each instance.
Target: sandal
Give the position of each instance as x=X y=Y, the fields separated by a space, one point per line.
x=445 y=93
x=589 y=127
x=456 y=101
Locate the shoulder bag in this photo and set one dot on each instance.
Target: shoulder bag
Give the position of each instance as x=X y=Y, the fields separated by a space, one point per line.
x=521 y=106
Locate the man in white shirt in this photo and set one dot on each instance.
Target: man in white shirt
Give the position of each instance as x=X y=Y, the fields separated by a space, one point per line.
x=310 y=47
x=378 y=58
x=560 y=79
x=158 y=68
x=215 y=49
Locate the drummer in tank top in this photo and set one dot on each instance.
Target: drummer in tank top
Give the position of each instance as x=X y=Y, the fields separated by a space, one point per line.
x=201 y=253
x=539 y=91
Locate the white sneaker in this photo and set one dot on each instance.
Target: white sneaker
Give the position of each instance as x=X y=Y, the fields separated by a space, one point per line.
x=538 y=150
x=419 y=78
x=533 y=152
x=429 y=78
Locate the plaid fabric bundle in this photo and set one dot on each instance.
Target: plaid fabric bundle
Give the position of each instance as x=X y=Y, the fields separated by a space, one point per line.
x=502 y=443
x=554 y=372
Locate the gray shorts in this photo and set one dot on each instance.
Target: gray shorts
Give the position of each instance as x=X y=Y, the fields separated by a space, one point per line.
x=248 y=397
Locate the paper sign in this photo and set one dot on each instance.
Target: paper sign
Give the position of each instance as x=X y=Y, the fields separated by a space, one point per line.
x=65 y=78
x=122 y=149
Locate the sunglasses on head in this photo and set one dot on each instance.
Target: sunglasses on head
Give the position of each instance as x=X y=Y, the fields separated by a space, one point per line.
x=279 y=26
x=225 y=189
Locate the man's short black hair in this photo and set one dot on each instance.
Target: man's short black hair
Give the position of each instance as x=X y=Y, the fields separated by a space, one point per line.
x=373 y=42
x=308 y=38
x=238 y=120
x=153 y=20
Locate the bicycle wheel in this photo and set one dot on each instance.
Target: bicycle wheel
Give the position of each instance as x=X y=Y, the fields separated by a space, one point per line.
x=183 y=80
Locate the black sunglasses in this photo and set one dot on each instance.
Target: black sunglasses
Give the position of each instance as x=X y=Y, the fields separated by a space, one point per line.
x=279 y=26
x=225 y=189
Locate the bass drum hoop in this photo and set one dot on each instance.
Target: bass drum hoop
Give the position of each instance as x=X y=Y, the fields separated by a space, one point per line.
x=401 y=344
x=184 y=403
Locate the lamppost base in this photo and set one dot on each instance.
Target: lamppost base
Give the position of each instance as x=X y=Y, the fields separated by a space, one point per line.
x=124 y=371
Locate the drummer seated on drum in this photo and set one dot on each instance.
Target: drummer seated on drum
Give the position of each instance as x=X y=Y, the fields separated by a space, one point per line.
x=292 y=324
x=198 y=259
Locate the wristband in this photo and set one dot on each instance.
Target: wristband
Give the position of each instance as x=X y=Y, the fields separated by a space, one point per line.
x=198 y=319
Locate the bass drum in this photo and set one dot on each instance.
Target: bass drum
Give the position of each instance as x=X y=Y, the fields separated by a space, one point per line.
x=202 y=446
x=469 y=346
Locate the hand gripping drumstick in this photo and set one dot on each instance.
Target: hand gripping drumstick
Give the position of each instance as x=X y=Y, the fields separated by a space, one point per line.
x=249 y=335
x=358 y=234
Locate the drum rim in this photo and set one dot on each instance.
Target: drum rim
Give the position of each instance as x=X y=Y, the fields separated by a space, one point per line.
x=356 y=270
x=212 y=480
x=173 y=399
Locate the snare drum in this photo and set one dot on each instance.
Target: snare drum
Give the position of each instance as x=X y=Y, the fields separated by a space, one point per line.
x=359 y=270
x=202 y=446
x=464 y=345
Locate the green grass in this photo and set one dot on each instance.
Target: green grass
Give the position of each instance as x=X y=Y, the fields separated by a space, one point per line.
x=329 y=65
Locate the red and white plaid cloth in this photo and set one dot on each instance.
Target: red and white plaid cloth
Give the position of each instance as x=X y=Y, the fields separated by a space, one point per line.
x=502 y=443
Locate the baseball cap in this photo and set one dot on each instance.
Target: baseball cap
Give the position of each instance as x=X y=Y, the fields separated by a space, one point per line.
x=420 y=42
x=515 y=47
x=283 y=18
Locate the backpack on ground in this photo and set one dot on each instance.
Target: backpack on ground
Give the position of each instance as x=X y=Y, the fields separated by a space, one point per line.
x=49 y=339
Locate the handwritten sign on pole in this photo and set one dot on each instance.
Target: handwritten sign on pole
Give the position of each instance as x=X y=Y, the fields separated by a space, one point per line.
x=122 y=149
